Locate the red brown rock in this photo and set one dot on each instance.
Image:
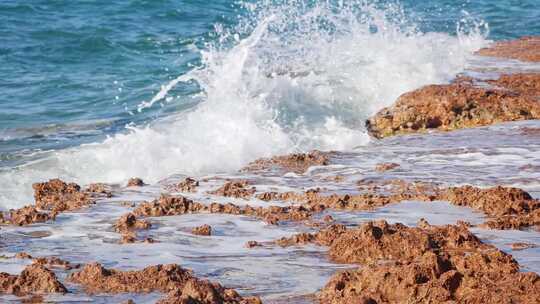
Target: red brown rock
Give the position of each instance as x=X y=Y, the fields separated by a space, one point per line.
x=49 y=262
x=386 y=167
x=298 y=162
x=23 y=255
x=129 y=222
x=178 y=205
x=25 y=216
x=328 y=219
x=58 y=196
x=135 y=182
x=97 y=279
x=285 y=196
x=422 y=265
x=99 y=189
x=180 y=284
x=205 y=230
x=35 y=278
x=127 y=226
x=380 y=241
x=324 y=237
x=524 y=49
x=459 y=105
x=53 y=262
x=509 y=208
x=238 y=189
x=253 y=244
x=167 y=206
x=530 y=132
x=514 y=221
x=431 y=278
x=128 y=237
x=187 y=185
x=495 y=201
x=205 y=292
x=522 y=246
x=527 y=84
x=521 y=210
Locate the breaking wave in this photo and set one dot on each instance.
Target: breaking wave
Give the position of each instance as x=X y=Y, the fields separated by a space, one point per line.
x=289 y=76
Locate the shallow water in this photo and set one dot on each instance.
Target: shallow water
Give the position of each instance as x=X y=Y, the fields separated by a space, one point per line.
x=285 y=275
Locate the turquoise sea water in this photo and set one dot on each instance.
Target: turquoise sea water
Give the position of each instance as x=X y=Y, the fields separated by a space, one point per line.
x=77 y=72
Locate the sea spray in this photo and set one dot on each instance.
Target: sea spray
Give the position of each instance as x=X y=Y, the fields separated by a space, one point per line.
x=289 y=77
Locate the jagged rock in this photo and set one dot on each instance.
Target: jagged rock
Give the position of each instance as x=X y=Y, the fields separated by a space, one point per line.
x=524 y=49
x=459 y=105
x=35 y=278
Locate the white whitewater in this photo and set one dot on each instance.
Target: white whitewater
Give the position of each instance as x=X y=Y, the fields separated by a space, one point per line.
x=287 y=78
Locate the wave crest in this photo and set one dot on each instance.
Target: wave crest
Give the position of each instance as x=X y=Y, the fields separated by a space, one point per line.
x=290 y=76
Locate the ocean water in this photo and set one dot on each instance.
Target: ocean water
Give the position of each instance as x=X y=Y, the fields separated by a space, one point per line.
x=100 y=91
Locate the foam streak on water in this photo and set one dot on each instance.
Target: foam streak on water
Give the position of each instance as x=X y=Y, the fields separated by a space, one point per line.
x=289 y=77
x=497 y=155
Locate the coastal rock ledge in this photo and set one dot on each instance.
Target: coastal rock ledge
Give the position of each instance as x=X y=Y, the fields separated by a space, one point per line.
x=467 y=102
x=462 y=104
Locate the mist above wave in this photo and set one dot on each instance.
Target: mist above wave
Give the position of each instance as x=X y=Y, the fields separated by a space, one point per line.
x=290 y=76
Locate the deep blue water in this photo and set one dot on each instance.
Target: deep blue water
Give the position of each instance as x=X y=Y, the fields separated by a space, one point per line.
x=74 y=71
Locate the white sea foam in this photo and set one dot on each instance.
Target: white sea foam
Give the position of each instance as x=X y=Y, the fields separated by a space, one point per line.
x=290 y=77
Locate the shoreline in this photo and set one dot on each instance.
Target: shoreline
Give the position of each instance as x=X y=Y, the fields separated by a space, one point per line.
x=450 y=264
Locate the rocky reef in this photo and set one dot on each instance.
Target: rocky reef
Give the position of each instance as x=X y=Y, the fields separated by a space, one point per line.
x=179 y=284
x=462 y=104
x=467 y=102
x=425 y=264
x=524 y=49
x=277 y=207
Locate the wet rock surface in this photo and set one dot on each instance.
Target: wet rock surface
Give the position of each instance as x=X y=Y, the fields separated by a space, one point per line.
x=297 y=163
x=524 y=49
x=509 y=208
x=34 y=279
x=238 y=189
x=99 y=189
x=386 y=167
x=51 y=198
x=49 y=262
x=95 y=278
x=461 y=104
x=432 y=264
x=187 y=185
x=167 y=206
x=522 y=246
x=58 y=196
x=205 y=230
x=527 y=84
x=399 y=263
x=135 y=182
x=178 y=205
x=127 y=226
x=180 y=284
x=206 y=292
x=129 y=222
x=25 y=216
